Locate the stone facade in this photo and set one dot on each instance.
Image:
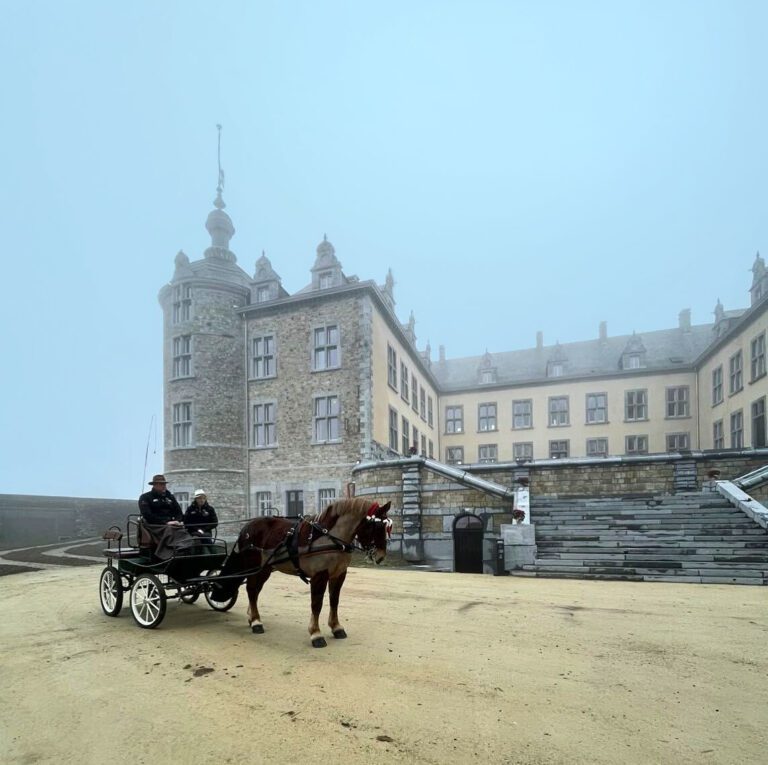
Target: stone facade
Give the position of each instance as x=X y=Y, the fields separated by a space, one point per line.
x=253 y=438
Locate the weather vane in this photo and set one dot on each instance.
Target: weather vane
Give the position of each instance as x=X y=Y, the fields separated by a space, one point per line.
x=219 y=201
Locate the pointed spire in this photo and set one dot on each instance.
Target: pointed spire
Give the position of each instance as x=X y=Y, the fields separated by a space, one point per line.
x=218 y=203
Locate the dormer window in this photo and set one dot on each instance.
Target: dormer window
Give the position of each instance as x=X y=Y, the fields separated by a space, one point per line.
x=555 y=369
x=633 y=361
x=325 y=280
x=262 y=294
x=487 y=376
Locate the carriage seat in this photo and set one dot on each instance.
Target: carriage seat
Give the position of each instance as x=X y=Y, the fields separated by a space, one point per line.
x=144 y=540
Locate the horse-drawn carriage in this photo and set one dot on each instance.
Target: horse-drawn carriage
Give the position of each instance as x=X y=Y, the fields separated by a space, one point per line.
x=316 y=549
x=133 y=568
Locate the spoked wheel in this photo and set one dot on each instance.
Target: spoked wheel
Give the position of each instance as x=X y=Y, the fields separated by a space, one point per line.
x=148 y=601
x=215 y=598
x=110 y=591
x=188 y=594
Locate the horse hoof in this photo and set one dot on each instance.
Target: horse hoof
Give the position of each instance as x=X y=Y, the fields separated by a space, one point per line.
x=319 y=642
x=257 y=629
x=339 y=634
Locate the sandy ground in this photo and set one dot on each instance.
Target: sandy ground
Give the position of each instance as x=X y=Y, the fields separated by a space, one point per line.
x=438 y=668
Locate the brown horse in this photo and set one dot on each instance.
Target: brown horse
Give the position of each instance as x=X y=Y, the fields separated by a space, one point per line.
x=317 y=550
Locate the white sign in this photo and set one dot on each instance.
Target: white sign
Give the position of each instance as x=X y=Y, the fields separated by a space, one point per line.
x=523 y=502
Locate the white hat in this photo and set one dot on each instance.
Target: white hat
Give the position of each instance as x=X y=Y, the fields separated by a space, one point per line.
x=200 y=493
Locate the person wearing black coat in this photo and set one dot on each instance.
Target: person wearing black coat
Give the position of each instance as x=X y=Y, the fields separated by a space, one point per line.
x=200 y=518
x=162 y=517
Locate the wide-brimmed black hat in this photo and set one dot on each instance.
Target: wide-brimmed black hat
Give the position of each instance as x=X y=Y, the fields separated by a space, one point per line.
x=159 y=478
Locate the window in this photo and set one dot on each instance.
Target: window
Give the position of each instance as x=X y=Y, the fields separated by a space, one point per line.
x=326 y=348
x=294 y=503
x=735 y=367
x=522 y=450
x=677 y=402
x=454 y=419
x=758 y=356
x=430 y=414
x=635 y=405
x=522 y=414
x=633 y=361
x=558 y=411
x=182 y=497
x=182 y=424
x=415 y=444
x=737 y=430
x=597 y=407
x=263 y=363
x=264 y=503
x=182 y=356
x=718 y=435
x=414 y=394
x=717 y=385
x=486 y=417
x=391 y=367
x=636 y=444
x=454 y=455
x=558 y=450
x=262 y=293
x=406 y=437
x=758 y=423
x=182 y=303
x=325 y=280
x=555 y=369
x=597 y=447
x=393 y=429
x=423 y=445
x=263 y=433
x=487 y=376
x=325 y=497
x=423 y=403
x=326 y=420
x=404 y=382
x=677 y=442
x=487 y=453
x=431 y=449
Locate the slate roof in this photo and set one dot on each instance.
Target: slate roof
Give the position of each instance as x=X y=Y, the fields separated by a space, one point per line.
x=665 y=349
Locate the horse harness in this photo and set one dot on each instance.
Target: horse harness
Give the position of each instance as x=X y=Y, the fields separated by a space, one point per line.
x=291 y=545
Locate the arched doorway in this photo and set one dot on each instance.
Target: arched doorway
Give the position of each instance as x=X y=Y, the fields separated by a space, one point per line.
x=468 y=544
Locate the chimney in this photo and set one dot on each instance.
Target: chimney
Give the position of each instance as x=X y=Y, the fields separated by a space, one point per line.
x=603 y=331
x=539 y=340
x=441 y=351
x=685 y=320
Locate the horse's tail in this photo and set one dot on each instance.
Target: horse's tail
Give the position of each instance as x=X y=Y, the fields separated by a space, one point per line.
x=229 y=582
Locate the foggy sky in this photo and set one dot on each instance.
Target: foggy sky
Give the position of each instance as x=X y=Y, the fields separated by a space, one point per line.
x=520 y=166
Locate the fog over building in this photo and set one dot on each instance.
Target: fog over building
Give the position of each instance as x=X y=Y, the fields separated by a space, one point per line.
x=271 y=398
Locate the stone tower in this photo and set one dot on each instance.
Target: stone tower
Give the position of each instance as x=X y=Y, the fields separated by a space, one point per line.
x=204 y=372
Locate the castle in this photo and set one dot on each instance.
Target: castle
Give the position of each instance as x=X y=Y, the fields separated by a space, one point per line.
x=271 y=398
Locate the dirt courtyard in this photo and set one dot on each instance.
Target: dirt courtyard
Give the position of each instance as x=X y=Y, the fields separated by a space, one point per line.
x=438 y=668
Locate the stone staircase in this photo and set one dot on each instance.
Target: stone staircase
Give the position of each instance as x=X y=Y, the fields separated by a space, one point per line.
x=696 y=537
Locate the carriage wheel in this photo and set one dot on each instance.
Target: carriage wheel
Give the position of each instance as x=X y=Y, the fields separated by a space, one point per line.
x=148 y=601
x=110 y=591
x=188 y=594
x=214 y=599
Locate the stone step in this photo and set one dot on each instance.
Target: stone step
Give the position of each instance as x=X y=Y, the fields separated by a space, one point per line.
x=635 y=577
x=634 y=566
x=680 y=555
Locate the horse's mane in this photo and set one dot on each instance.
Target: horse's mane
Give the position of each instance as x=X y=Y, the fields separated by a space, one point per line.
x=341 y=507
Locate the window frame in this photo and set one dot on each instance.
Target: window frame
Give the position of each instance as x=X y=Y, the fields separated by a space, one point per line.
x=638 y=449
x=267 y=357
x=391 y=367
x=182 y=430
x=603 y=408
x=181 y=347
x=326 y=417
x=595 y=452
x=636 y=405
x=492 y=454
x=737 y=418
x=552 y=449
x=327 y=348
x=717 y=385
x=551 y=412
x=677 y=447
x=718 y=434
x=264 y=424
x=676 y=403
x=488 y=417
x=529 y=414
x=757 y=359
x=528 y=456
x=449 y=450
x=451 y=421
x=736 y=373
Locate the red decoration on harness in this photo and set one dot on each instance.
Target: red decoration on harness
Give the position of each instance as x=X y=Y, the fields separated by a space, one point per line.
x=372 y=510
